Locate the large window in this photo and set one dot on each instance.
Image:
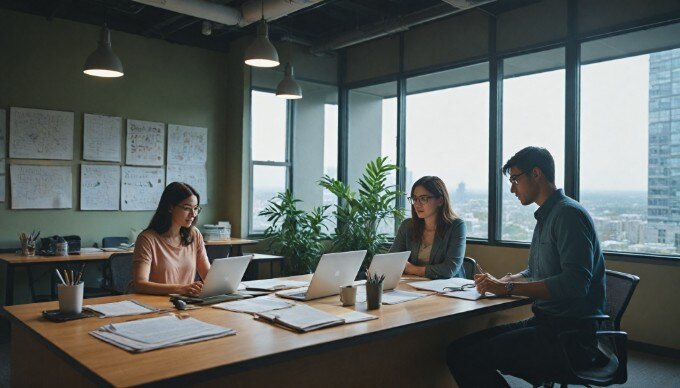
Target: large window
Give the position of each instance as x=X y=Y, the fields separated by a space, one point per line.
x=269 y=150
x=630 y=140
x=533 y=115
x=447 y=135
x=372 y=133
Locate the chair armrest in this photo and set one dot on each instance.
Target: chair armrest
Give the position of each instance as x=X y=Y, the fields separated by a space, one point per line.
x=599 y=317
x=620 y=339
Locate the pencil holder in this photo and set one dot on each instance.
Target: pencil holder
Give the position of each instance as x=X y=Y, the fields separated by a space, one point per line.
x=70 y=298
x=373 y=295
x=27 y=249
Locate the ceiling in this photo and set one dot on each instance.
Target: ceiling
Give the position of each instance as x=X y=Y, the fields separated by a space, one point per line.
x=318 y=25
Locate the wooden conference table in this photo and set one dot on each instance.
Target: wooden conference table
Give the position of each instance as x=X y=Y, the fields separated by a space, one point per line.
x=404 y=347
x=14 y=261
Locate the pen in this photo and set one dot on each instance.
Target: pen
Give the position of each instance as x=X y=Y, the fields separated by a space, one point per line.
x=59 y=276
x=479 y=268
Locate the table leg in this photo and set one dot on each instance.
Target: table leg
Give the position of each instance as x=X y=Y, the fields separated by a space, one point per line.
x=31 y=286
x=9 y=287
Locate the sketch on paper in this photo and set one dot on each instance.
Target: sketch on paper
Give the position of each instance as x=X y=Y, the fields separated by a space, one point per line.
x=41 y=187
x=187 y=144
x=40 y=134
x=3 y=133
x=193 y=175
x=99 y=187
x=102 y=137
x=145 y=143
x=141 y=188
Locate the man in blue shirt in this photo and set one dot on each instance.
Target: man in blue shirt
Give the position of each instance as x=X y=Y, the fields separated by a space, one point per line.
x=565 y=276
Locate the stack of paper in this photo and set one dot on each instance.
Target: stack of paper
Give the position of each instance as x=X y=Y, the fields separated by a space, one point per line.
x=156 y=333
x=301 y=318
x=255 y=305
x=117 y=309
x=454 y=287
x=356 y=316
x=274 y=284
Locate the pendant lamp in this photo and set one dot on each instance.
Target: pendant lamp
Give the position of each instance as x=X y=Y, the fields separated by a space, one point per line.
x=289 y=88
x=262 y=53
x=103 y=62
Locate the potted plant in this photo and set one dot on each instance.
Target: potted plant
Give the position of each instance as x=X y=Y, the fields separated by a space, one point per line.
x=359 y=214
x=295 y=234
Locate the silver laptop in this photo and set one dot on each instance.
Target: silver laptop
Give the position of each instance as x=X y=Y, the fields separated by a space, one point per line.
x=391 y=265
x=333 y=271
x=224 y=276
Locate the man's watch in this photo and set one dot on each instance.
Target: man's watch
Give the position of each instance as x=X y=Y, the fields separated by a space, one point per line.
x=509 y=286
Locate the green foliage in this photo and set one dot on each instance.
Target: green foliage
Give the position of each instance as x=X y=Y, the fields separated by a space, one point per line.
x=358 y=215
x=295 y=234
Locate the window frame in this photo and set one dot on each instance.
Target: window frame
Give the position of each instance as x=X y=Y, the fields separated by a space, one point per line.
x=287 y=164
x=572 y=65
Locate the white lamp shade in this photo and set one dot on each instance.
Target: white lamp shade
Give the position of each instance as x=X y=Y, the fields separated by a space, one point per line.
x=289 y=88
x=261 y=52
x=103 y=62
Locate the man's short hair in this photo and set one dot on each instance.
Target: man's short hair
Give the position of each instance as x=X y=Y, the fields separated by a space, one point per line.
x=528 y=158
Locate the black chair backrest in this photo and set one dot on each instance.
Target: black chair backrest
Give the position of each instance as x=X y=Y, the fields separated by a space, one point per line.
x=120 y=267
x=620 y=287
x=217 y=251
x=114 y=242
x=469 y=267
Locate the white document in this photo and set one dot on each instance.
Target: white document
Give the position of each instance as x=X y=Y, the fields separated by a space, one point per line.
x=194 y=175
x=301 y=318
x=145 y=143
x=439 y=284
x=254 y=305
x=155 y=333
x=102 y=137
x=141 y=188
x=40 y=134
x=274 y=284
x=468 y=293
x=117 y=309
x=41 y=187
x=187 y=145
x=99 y=187
x=398 y=296
x=356 y=316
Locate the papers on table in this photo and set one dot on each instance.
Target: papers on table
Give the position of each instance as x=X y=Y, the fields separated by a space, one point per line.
x=117 y=309
x=255 y=305
x=274 y=284
x=391 y=296
x=356 y=316
x=301 y=318
x=86 y=250
x=161 y=332
x=454 y=288
x=398 y=296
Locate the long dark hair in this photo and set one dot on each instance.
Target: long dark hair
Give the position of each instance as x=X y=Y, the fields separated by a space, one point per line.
x=445 y=214
x=173 y=195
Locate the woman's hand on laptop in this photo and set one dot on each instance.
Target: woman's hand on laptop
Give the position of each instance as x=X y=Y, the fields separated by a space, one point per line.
x=191 y=289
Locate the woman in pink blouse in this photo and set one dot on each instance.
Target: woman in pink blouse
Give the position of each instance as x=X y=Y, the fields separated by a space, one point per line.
x=170 y=251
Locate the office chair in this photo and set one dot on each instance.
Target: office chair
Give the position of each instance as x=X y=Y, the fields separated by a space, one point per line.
x=611 y=341
x=114 y=242
x=469 y=267
x=119 y=274
x=217 y=251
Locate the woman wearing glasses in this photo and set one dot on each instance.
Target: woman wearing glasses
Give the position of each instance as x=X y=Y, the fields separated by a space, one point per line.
x=170 y=251
x=434 y=234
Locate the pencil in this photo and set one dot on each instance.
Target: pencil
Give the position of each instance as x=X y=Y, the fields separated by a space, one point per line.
x=479 y=268
x=59 y=276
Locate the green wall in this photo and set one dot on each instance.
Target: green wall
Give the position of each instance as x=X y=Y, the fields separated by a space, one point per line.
x=41 y=67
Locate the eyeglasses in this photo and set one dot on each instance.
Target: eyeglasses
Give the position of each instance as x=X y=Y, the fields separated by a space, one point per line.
x=422 y=199
x=188 y=209
x=514 y=179
x=461 y=288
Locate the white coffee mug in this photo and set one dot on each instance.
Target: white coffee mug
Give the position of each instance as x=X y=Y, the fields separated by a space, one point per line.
x=70 y=298
x=348 y=295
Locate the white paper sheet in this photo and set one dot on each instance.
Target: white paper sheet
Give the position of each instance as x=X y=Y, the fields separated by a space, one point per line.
x=141 y=188
x=40 y=134
x=102 y=137
x=194 y=175
x=187 y=145
x=145 y=143
x=117 y=309
x=41 y=187
x=254 y=305
x=99 y=187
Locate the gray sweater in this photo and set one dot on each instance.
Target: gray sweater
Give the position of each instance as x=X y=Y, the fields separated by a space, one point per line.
x=446 y=257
